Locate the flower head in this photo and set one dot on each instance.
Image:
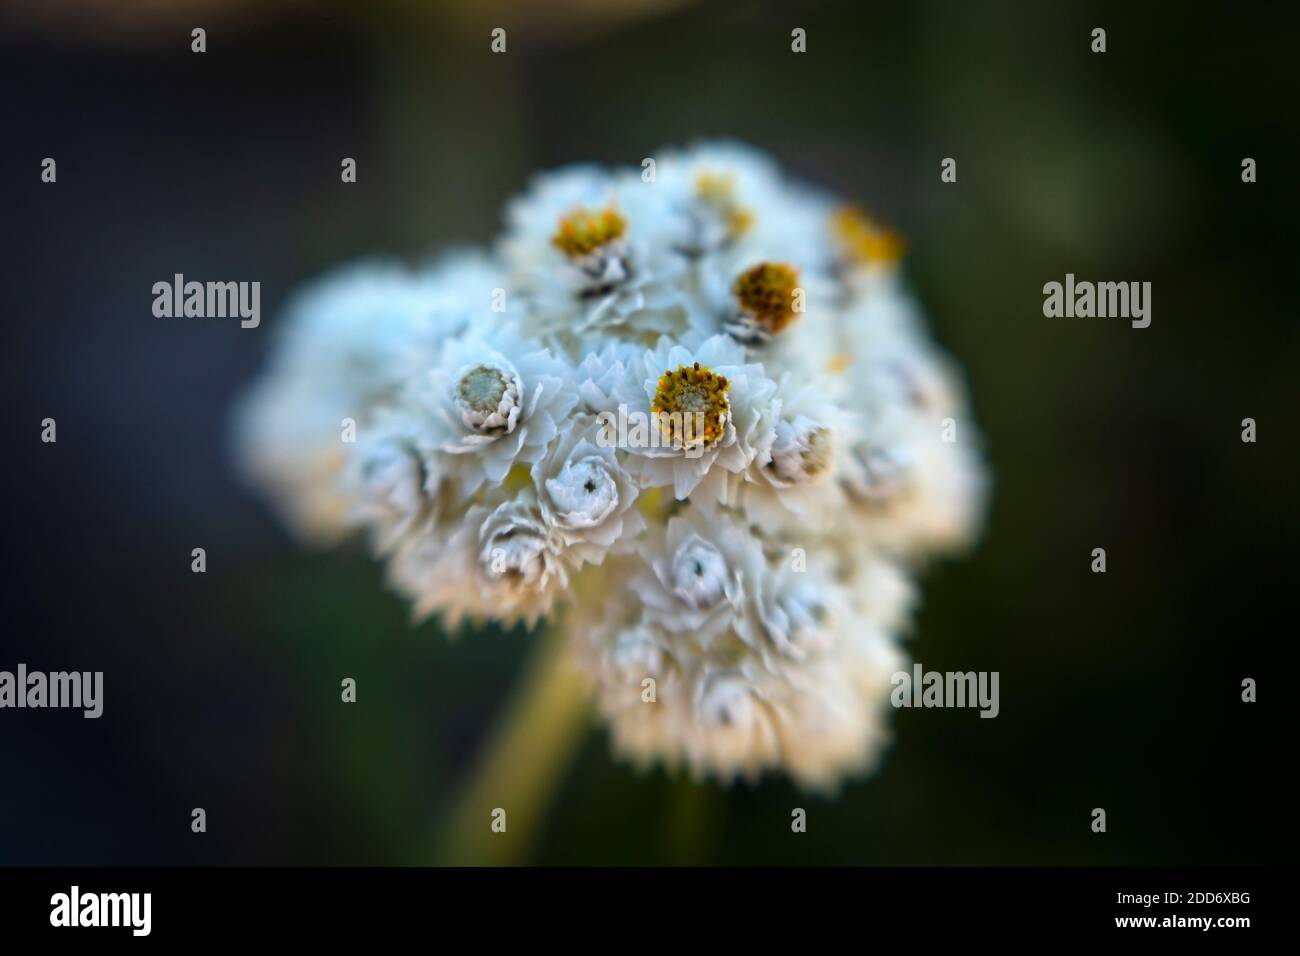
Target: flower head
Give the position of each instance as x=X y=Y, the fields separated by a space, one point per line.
x=767 y=300
x=735 y=564
x=584 y=231
x=711 y=408
x=586 y=496
x=592 y=253
x=692 y=406
x=339 y=357
x=493 y=400
x=863 y=241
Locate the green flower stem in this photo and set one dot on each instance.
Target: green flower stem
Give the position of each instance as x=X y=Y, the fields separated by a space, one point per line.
x=523 y=763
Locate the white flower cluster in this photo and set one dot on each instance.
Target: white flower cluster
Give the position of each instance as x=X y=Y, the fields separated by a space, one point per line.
x=734 y=587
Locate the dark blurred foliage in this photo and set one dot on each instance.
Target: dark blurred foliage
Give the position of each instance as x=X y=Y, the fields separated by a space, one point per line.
x=1118 y=690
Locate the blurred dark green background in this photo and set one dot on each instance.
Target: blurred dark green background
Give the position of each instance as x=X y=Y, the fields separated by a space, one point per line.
x=1118 y=690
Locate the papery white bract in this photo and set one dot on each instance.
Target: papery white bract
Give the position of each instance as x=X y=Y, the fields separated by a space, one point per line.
x=341 y=356
x=735 y=568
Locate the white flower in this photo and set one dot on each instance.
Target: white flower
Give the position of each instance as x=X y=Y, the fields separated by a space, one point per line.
x=466 y=291
x=791 y=483
x=915 y=491
x=585 y=495
x=724 y=715
x=733 y=198
x=493 y=400
x=639 y=689
x=886 y=358
x=734 y=568
x=709 y=573
x=595 y=252
x=802 y=453
x=393 y=489
x=788 y=610
x=713 y=412
x=865 y=252
x=348 y=331
x=911 y=468
x=338 y=358
x=819 y=718
x=737 y=733
x=500 y=563
x=605 y=373
x=693 y=580
x=516 y=547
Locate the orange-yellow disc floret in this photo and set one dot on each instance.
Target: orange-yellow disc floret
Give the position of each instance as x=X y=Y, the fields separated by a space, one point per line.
x=683 y=394
x=584 y=231
x=766 y=294
x=717 y=190
x=865 y=240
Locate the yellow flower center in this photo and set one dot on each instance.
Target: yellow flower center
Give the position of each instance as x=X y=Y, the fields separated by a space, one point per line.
x=684 y=394
x=820 y=452
x=584 y=231
x=717 y=191
x=766 y=294
x=839 y=363
x=865 y=240
x=716 y=188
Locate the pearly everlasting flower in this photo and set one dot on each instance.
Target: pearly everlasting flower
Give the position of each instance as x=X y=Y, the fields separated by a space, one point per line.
x=914 y=490
x=794 y=482
x=913 y=469
x=709 y=411
x=594 y=252
x=695 y=418
x=492 y=400
x=724 y=712
x=865 y=251
x=467 y=291
x=694 y=574
x=586 y=496
x=500 y=562
x=389 y=486
x=339 y=357
x=734 y=199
